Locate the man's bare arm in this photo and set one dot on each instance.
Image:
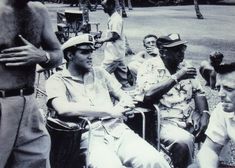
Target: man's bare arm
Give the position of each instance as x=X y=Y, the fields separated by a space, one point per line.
x=73 y=109
x=50 y=43
x=158 y=90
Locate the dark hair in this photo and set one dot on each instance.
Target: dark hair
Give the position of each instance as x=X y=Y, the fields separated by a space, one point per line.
x=67 y=50
x=216 y=59
x=225 y=68
x=110 y=2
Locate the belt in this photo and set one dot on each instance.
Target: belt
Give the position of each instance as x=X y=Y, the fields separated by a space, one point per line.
x=16 y=92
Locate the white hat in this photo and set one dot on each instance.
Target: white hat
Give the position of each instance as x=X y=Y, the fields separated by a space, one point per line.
x=82 y=41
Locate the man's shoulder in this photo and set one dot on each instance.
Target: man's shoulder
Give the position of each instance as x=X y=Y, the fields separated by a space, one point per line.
x=56 y=76
x=37 y=6
x=116 y=17
x=99 y=71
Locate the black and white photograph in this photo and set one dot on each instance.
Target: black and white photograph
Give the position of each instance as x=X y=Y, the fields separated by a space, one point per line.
x=117 y=84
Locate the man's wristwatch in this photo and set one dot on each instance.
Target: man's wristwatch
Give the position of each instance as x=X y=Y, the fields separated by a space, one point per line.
x=206 y=111
x=48 y=57
x=174 y=77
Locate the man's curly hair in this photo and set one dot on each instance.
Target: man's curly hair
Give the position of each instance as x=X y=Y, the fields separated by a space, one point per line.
x=216 y=59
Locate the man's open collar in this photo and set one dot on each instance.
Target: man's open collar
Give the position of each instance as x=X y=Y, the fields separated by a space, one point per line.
x=66 y=74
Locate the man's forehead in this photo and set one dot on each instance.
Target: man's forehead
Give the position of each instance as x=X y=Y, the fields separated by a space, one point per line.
x=150 y=39
x=227 y=79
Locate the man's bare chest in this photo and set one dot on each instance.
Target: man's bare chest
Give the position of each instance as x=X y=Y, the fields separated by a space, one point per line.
x=27 y=23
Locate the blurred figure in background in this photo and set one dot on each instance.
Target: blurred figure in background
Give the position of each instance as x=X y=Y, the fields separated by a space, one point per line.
x=207 y=68
x=151 y=50
x=114 y=52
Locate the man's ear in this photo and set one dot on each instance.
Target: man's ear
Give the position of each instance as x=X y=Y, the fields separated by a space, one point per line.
x=70 y=55
x=162 y=52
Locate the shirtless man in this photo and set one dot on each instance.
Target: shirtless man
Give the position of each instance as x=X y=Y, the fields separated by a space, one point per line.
x=26 y=39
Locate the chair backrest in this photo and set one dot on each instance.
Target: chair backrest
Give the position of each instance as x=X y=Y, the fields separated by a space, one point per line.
x=61 y=17
x=73 y=16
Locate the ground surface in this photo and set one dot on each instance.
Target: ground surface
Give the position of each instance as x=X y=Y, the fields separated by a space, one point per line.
x=215 y=32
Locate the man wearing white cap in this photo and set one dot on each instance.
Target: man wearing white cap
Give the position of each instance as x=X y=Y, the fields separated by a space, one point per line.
x=84 y=90
x=170 y=83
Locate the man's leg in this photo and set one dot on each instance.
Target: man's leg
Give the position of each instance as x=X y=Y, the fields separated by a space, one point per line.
x=102 y=154
x=32 y=145
x=123 y=6
x=10 y=113
x=135 y=152
x=121 y=74
x=179 y=142
x=117 y=5
x=129 y=5
x=197 y=10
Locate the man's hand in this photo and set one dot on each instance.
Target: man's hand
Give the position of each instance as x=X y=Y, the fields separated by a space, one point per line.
x=186 y=73
x=27 y=54
x=98 y=43
x=119 y=111
x=202 y=127
x=152 y=51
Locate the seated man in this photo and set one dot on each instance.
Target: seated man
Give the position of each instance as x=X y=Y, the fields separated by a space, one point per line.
x=84 y=90
x=150 y=51
x=207 y=68
x=170 y=83
x=221 y=127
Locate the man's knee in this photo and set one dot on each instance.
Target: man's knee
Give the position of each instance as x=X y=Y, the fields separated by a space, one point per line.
x=187 y=140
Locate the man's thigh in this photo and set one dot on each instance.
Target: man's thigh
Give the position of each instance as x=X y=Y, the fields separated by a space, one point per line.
x=10 y=114
x=170 y=133
x=32 y=145
x=136 y=152
x=102 y=154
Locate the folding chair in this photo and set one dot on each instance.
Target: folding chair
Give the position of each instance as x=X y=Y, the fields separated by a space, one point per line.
x=161 y=147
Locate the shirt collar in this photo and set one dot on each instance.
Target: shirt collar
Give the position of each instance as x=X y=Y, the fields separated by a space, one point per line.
x=66 y=74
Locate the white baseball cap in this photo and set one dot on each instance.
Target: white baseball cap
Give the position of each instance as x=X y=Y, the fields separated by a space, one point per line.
x=82 y=41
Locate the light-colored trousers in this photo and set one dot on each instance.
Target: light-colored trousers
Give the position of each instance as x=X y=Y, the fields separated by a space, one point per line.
x=24 y=139
x=107 y=151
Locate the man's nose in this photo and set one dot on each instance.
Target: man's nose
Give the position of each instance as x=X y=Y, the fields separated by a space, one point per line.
x=89 y=56
x=222 y=93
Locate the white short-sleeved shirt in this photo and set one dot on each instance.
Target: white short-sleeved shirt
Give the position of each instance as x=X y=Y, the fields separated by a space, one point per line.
x=115 y=50
x=221 y=127
x=95 y=91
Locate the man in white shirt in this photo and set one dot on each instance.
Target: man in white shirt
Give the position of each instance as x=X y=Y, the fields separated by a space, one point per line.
x=114 y=52
x=221 y=126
